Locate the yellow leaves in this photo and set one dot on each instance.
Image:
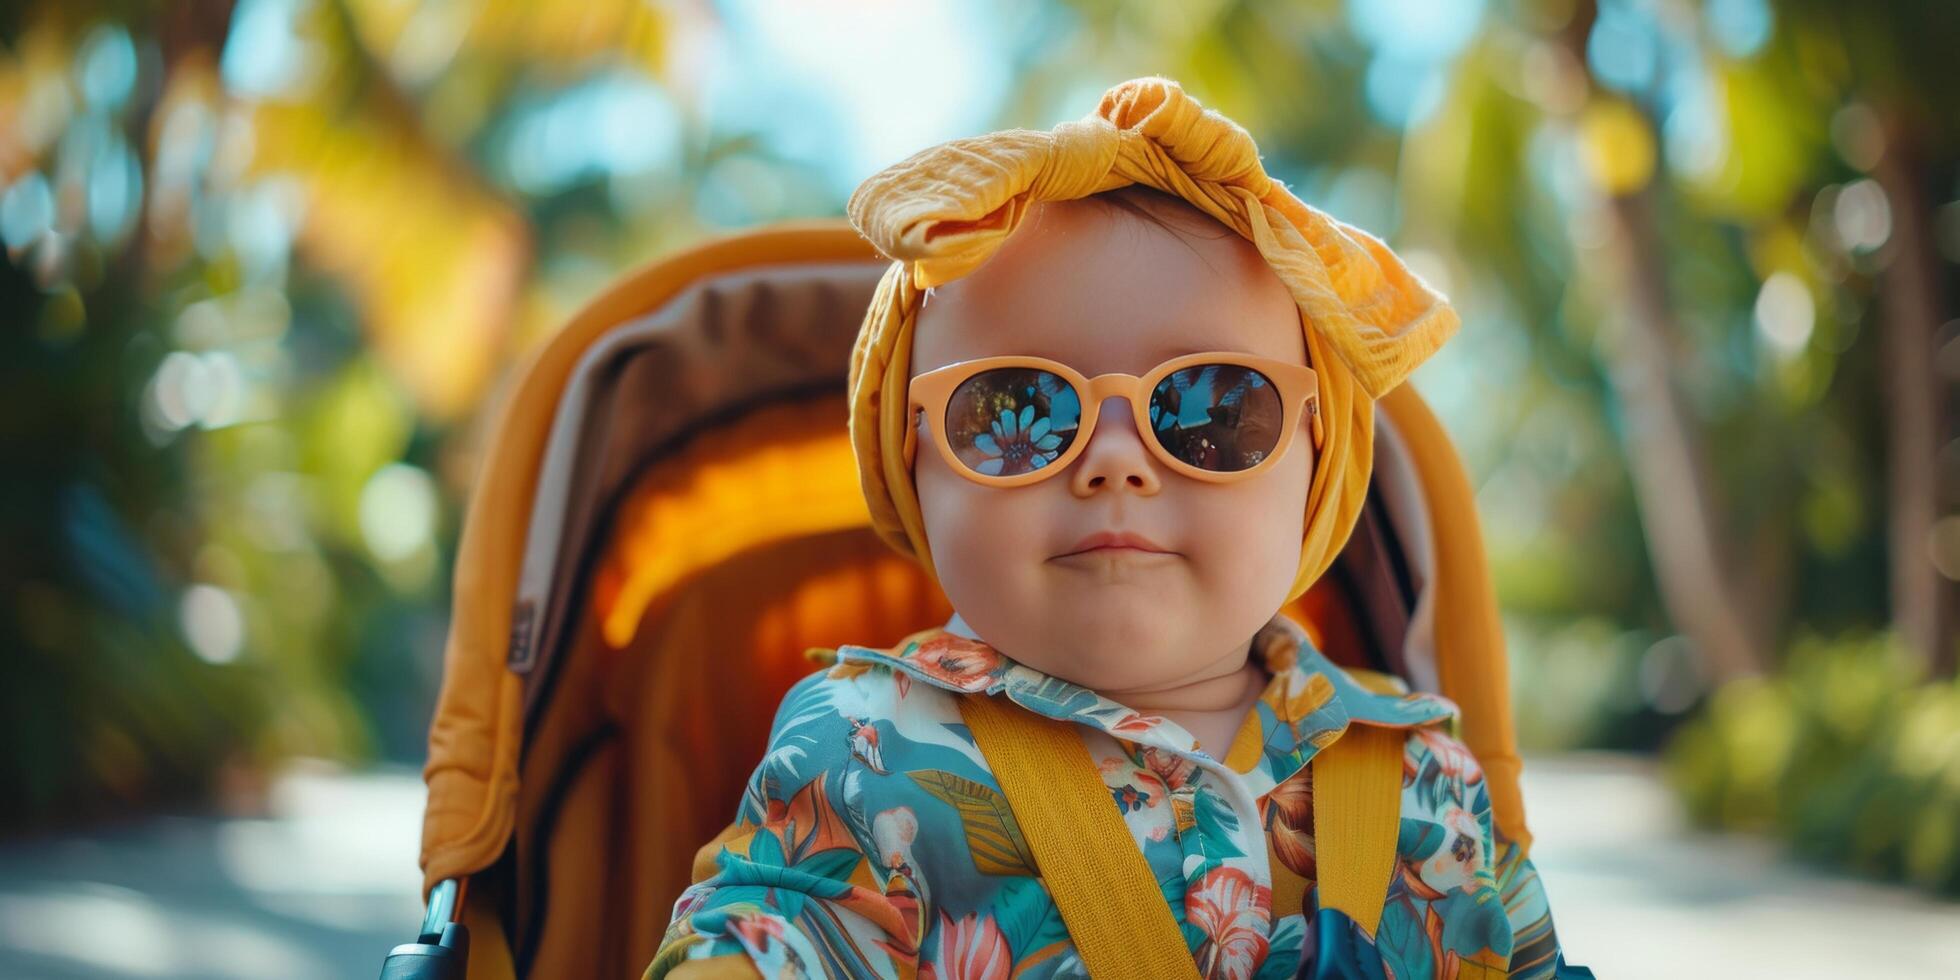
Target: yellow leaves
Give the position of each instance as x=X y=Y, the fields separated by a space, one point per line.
x=1616 y=144
x=413 y=35
x=434 y=260
x=36 y=98
x=359 y=423
x=1772 y=136
x=1777 y=247
x=848 y=670
x=1764 y=731
x=992 y=835
x=634 y=29
x=1481 y=964
x=1306 y=699
x=1184 y=815
x=1246 y=745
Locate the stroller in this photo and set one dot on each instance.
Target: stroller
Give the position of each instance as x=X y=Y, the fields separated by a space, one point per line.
x=632 y=601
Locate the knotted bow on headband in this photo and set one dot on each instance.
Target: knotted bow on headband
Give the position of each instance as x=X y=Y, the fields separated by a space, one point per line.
x=941 y=212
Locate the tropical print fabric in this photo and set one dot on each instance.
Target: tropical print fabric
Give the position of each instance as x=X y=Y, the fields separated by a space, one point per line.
x=873 y=839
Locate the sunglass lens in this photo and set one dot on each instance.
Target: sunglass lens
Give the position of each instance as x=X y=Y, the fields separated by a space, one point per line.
x=1218 y=417
x=1007 y=421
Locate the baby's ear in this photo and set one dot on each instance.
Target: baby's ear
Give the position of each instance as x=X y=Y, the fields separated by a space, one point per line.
x=915 y=436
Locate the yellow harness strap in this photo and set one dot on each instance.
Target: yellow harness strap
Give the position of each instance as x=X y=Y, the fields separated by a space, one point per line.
x=1357 y=810
x=1108 y=897
x=1096 y=874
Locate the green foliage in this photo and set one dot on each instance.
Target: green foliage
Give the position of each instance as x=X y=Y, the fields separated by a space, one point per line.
x=1849 y=753
x=1588 y=683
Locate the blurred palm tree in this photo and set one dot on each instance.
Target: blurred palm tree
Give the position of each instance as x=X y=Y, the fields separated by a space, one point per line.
x=264 y=260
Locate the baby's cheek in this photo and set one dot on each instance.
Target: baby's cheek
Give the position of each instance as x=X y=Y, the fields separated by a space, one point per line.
x=1248 y=534
x=986 y=543
x=981 y=526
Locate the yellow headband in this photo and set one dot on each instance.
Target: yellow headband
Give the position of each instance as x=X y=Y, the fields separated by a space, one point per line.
x=939 y=213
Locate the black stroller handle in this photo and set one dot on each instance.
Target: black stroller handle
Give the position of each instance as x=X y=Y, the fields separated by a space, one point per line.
x=442 y=951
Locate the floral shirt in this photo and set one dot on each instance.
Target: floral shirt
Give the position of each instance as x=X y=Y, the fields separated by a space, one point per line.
x=873 y=839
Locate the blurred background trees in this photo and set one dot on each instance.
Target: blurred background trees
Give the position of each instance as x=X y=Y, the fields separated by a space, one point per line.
x=266 y=260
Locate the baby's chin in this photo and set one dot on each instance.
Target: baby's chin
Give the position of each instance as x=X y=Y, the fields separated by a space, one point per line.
x=1120 y=617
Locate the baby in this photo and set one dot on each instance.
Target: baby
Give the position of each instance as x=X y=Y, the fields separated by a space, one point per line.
x=1122 y=430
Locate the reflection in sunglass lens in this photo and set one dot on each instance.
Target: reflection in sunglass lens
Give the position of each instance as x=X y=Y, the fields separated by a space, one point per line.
x=1218 y=417
x=1006 y=421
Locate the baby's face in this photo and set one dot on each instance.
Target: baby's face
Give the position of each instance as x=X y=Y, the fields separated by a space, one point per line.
x=1105 y=291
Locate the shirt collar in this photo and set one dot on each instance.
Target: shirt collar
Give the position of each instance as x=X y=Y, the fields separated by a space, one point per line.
x=1307 y=703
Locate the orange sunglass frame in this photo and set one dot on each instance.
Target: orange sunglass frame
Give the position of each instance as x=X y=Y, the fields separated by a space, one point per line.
x=1297 y=385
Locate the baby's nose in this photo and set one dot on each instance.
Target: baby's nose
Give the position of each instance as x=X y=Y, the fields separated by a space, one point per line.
x=1116 y=455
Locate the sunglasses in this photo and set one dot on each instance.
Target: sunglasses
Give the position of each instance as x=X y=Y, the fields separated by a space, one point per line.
x=1013 y=420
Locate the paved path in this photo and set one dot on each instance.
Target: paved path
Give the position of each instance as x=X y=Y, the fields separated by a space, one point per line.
x=322 y=889
x=327 y=884
x=1636 y=895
